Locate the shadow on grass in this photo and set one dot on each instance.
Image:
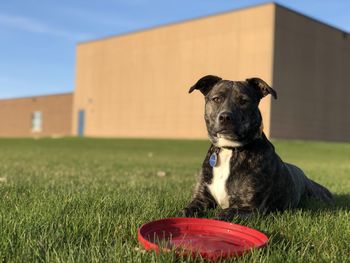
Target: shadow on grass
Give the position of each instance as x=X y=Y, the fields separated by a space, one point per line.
x=341 y=202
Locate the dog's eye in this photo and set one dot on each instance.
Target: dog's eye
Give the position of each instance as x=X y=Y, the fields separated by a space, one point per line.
x=243 y=101
x=216 y=99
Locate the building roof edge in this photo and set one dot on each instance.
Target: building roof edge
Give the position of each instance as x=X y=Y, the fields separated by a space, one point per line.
x=310 y=18
x=275 y=3
x=127 y=33
x=38 y=96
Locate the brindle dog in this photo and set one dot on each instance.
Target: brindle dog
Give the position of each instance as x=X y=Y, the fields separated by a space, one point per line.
x=242 y=172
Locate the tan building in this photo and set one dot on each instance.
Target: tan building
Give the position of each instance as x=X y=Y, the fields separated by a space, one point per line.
x=36 y=116
x=135 y=85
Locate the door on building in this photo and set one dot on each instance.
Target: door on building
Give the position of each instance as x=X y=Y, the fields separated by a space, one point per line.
x=81 y=122
x=37 y=121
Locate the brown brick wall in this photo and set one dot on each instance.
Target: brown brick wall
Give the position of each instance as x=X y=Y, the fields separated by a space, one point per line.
x=16 y=115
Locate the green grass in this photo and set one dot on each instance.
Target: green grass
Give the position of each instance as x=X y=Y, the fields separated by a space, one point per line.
x=82 y=200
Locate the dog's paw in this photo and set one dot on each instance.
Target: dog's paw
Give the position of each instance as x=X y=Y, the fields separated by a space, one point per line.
x=229 y=214
x=224 y=217
x=226 y=214
x=189 y=212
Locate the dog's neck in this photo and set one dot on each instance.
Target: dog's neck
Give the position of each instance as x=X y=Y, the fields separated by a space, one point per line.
x=226 y=143
x=232 y=144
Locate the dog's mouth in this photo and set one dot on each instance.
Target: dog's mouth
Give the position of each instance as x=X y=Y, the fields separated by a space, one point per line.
x=226 y=134
x=227 y=137
x=224 y=138
x=224 y=131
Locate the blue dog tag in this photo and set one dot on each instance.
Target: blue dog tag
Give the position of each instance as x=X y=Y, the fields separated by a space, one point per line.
x=213 y=159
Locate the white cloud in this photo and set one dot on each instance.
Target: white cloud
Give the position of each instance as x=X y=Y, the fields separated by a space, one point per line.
x=34 y=26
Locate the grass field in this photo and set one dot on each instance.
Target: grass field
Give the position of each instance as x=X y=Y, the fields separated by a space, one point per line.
x=82 y=200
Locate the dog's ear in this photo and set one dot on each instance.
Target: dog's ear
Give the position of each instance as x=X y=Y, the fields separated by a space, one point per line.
x=205 y=84
x=261 y=87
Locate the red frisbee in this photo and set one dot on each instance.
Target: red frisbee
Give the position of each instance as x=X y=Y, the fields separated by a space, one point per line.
x=211 y=239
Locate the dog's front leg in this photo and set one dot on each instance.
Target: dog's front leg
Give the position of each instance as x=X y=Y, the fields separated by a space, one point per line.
x=202 y=201
x=229 y=213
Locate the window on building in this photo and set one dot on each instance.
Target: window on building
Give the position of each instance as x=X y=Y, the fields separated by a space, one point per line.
x=37 y=121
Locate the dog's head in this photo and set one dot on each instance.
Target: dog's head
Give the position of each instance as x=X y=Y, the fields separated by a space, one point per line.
x=232 y=115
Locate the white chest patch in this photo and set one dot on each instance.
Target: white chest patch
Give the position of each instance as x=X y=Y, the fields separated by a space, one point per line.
x=221 y=172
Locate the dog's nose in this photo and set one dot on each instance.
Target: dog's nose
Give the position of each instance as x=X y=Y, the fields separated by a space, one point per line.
x=225 y=117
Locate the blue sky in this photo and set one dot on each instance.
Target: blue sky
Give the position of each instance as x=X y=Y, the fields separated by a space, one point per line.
x=39 y=37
